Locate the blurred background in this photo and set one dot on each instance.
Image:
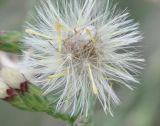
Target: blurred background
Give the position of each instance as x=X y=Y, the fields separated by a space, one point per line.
x=139 y=107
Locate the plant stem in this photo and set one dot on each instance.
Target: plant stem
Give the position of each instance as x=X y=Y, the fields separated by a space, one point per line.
x=63 y=116
x=71 y=123
x=87 y=121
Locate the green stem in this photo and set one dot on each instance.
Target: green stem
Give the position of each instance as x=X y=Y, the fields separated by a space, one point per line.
x=63 y=116
x=71 y=124
x=87 y=121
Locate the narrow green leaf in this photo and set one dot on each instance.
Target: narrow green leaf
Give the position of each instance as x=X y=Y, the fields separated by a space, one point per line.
x=10 y=42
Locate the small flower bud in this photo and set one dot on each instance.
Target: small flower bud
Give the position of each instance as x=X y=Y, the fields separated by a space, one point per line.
x=13 y=78
x=6 y=93
x=3 y=90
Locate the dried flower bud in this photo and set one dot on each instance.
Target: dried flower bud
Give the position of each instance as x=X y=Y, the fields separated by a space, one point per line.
x=3 y=90
x=13 y=78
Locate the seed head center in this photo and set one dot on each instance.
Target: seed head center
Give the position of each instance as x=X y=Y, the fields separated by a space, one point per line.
x=82 y=44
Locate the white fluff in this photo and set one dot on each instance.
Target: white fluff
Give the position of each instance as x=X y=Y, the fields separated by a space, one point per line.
x=79 y=50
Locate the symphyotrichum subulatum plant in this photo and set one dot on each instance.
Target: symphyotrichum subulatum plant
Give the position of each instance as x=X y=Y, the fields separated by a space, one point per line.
x=77 y=52
x=80 y=50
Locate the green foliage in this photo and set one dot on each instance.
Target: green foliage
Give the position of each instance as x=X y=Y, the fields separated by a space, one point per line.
x=10 y=42
x=34 y=101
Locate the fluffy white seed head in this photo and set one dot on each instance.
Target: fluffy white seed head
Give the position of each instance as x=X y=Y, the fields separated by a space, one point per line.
x=79 y=51
x=12 y=77
x=3 y=90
